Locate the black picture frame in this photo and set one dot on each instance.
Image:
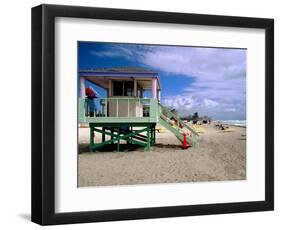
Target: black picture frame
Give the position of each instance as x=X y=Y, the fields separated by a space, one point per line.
x=43 y=114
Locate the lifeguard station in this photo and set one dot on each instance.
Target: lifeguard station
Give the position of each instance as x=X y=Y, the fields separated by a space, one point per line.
x=130 y=111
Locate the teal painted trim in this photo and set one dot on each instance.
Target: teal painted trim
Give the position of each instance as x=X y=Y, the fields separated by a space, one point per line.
x=154 y=111
x=152 y=118
x=124 y=120
x=116 y=125
x=81 y=110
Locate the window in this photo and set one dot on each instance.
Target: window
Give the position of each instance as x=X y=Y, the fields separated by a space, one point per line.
x=128 y=88
x=123 y=88
x=118 y=88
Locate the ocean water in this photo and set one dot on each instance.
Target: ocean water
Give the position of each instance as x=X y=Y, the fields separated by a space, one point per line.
x=241 y=123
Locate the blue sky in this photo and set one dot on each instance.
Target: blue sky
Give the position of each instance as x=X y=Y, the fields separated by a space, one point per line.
x=210 y=81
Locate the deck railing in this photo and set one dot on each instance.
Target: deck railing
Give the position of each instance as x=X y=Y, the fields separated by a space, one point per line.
x=117 y=107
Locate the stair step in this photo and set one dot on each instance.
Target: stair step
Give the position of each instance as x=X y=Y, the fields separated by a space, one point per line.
x=164 y=121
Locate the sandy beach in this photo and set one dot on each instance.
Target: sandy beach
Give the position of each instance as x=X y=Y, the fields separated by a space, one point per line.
x=220 y=156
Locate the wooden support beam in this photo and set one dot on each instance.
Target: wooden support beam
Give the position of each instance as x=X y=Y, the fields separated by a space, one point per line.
x=135 y=87
x=92 y=135
x=148 y=139
x=118 y=141
x=103 y=134
x=158 y=95
x=154 y=88
x=110 y=88
x=82 y=87
x=117 y=134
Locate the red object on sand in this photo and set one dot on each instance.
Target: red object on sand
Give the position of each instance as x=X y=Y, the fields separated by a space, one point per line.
x=185 y=144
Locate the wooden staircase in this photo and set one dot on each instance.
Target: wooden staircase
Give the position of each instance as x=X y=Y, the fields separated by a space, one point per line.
x=174 y=124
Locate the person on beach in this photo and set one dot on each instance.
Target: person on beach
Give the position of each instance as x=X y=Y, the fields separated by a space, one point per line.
x=90 y=96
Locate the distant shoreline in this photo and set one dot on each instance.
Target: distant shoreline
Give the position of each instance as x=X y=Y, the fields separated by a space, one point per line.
x=233 y=123
x=241 y=126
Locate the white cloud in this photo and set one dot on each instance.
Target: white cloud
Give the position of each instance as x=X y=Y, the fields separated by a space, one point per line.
x=179 y=102
x=110 y=54
x=218 y=75
x=221 y=109
x=219 y=78
x=214 y=63
x=210 y=103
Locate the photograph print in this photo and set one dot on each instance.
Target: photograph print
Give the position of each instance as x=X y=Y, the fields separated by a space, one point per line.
x=154 y=114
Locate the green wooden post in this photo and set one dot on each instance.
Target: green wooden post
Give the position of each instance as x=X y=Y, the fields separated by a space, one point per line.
x=111 y=137
x=145 y=137
x=148 y=139
x=131 y=137
x=82 y=110
x=118 y=141
x=103 y=134
x=92 y=134
x=153 y=134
